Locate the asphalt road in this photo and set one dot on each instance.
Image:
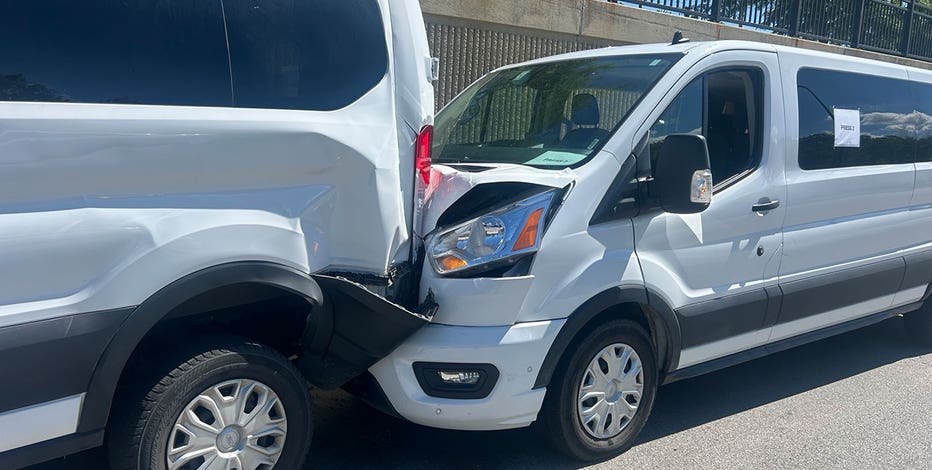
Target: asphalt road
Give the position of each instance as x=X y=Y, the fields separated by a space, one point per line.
x=862 y=400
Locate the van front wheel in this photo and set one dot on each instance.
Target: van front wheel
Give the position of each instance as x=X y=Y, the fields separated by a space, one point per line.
x=603 y=393
x=223 y=403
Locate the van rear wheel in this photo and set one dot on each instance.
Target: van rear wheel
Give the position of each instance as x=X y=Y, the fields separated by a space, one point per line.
x=224 y=403
x=603 y=392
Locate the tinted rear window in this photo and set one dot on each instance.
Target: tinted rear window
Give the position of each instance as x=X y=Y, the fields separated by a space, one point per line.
x=304 y=54
x=169 y=52
x=887 y=112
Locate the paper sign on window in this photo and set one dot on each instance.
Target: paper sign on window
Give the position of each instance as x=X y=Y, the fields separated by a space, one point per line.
x=847 y=127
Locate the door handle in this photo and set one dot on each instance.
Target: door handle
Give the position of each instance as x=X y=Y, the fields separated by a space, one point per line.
x=765 y=206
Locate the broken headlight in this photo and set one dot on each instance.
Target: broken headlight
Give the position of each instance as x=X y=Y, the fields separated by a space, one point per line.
x=499 y=237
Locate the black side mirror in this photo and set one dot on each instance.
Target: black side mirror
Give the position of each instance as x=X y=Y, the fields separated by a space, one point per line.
x=683 y=179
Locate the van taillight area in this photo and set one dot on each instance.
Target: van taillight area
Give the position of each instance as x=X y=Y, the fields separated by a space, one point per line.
x=422 y=161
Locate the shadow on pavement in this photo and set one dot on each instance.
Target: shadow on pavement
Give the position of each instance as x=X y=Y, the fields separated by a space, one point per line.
x=778 y=376
x=349 y=434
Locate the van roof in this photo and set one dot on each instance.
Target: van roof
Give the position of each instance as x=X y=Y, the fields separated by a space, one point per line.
x=703 y=48
x=657 y=48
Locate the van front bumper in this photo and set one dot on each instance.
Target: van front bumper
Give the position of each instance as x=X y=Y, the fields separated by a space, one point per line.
x=515 y=351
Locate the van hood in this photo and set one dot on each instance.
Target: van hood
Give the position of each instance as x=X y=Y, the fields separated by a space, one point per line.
x=448 y=183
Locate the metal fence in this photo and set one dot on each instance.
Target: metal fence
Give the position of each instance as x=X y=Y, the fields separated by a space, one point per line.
x=897 y=27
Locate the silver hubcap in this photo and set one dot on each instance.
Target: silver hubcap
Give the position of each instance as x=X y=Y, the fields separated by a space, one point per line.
x=237 y=424
x=610 y=391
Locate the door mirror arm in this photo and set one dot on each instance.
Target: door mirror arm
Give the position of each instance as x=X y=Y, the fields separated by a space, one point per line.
x=641 y=154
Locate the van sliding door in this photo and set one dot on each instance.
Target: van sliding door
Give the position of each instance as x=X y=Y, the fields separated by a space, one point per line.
x=849 y=181
x=919 y=260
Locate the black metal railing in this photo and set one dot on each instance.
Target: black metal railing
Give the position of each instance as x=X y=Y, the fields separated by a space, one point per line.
x=899 y=27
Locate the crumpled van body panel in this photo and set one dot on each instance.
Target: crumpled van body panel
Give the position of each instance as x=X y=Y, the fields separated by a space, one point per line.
x=97 y=194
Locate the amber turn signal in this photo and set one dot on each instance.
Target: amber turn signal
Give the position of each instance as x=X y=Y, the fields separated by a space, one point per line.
x=450 y=263
x=527 y=238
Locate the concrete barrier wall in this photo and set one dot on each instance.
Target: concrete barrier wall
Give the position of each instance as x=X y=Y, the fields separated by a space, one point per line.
x=472 y=37
x=469 y=49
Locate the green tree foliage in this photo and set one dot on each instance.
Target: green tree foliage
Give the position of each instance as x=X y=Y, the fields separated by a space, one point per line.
x=882 y=24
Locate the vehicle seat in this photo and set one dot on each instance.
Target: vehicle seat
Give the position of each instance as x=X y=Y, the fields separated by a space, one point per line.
x=585 y=112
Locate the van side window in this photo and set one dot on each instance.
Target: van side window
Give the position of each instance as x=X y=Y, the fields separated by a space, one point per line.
x=170 y=52
x=725 y=107
x=885 y=105
x=924 y=121
x=313 y=55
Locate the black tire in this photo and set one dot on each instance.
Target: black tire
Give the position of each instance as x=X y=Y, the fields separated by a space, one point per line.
x=919 y=324
x=559 y=416
x=146 y=409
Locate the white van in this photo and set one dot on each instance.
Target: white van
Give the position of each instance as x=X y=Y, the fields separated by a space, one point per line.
x=604 y=222
x=171 y=174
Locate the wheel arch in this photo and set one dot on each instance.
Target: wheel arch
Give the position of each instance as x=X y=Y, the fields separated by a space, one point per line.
x=165 y=304
x=635 y=302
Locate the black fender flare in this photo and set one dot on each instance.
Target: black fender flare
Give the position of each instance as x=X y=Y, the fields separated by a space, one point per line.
x=658 y=313
x=110 y=366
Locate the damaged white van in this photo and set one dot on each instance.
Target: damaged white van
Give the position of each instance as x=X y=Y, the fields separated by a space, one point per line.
x=187 y=190
x=604 y=222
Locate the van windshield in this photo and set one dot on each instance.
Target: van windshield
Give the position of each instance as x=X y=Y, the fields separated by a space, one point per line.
x=550 y=115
